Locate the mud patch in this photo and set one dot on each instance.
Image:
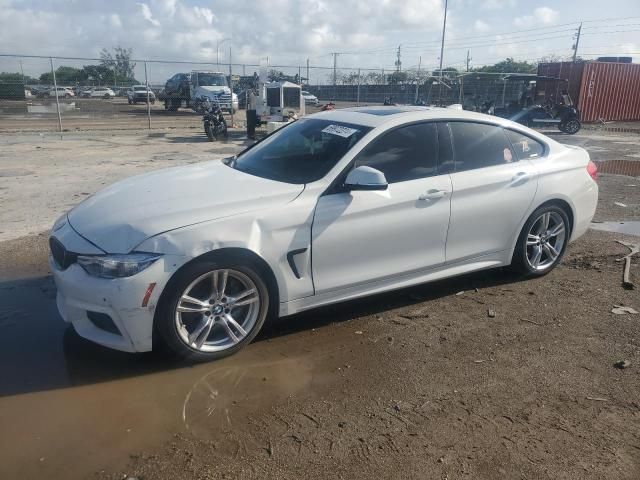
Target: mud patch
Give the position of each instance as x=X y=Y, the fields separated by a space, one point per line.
x=15 y=172
x=173 y=157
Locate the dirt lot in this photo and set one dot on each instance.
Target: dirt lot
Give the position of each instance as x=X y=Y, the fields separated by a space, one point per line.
x=419 y=383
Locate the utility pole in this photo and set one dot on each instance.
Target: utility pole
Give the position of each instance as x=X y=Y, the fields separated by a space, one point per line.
x=308 y=81
x=468 y=60
x=415 y=100
x=231 y=86
x=444 y=29
x=398 y=61
x=22 y=71
x=575 y=46
x=335 y=74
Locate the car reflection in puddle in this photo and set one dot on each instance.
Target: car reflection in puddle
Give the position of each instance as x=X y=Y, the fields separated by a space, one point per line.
x=226 y=396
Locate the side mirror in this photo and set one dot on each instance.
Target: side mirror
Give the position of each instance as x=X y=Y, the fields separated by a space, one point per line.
x=365 y=178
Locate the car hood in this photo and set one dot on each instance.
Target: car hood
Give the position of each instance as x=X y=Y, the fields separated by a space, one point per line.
x=121 y=216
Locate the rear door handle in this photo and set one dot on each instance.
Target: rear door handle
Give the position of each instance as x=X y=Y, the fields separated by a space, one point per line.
x=433 y=194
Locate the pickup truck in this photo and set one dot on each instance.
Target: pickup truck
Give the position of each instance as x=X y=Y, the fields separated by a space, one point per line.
x=188 y=89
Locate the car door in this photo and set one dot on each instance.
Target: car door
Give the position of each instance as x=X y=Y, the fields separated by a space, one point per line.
x=363 y=236
x=492 y=191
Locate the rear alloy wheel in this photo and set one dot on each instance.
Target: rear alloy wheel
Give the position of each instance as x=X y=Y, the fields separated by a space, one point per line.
x=214 y=311
x=542 y=242
x=570 y=126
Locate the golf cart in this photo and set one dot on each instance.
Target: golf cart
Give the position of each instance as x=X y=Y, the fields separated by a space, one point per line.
x=542 y=102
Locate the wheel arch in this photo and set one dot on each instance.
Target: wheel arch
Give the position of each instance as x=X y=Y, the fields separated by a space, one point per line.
x=564 y=205
x=238 y=253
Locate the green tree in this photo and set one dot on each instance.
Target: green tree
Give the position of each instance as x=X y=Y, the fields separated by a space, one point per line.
x=99 y=74
x=64 y=76
x=9 y=77
x=508 y=65
x=119 y=62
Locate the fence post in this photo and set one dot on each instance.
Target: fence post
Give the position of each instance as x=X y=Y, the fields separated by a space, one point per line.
x=231 y=86
x=146 y=82
x=55 y=88
x=358 y=98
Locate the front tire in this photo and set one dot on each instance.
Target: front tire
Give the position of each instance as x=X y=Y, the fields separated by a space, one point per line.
x=542 y=241
x=208 y=129
x=213 y=309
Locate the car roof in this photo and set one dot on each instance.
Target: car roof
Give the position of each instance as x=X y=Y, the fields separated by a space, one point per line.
x=374 y=116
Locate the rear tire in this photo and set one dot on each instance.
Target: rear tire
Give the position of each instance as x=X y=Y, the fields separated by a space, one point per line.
x=542 y=241
x=571 y=126
x=178 y=321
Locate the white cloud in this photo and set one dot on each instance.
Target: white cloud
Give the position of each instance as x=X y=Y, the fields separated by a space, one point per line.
x=497 y=4
x=541 y=16
x=148 y=16
x=481 y=26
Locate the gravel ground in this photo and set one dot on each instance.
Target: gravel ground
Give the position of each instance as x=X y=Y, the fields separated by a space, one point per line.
x=485 y=376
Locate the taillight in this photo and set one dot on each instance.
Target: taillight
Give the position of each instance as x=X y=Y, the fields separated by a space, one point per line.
x=592 y=170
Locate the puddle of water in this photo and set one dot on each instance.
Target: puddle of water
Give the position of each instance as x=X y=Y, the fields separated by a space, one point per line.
x=619 y=167
x=51 y=108
x=69 y=408
x=226 y=396
x=628 y=228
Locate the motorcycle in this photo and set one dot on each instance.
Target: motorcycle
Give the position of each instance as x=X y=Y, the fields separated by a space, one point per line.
x=215 y=126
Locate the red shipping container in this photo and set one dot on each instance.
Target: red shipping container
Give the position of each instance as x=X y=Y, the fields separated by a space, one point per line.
x=610 y=91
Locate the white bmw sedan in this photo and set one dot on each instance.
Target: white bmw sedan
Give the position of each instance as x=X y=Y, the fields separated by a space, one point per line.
x=335 y=206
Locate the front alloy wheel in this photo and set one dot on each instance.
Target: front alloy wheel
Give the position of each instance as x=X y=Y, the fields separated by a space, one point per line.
x=212 y=309
x=217 y=310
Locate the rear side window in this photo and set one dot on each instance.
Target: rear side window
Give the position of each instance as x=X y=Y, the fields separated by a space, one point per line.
x=478 y=145
x=525 y=146
x=406 y=153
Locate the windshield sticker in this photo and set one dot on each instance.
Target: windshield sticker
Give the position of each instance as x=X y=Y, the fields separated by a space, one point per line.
x=339 y=130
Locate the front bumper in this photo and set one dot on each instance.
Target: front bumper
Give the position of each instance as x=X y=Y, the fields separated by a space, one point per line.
x=81 y=298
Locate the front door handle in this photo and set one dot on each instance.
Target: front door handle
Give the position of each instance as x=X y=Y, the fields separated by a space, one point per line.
x=433 y=194
x=520 y=177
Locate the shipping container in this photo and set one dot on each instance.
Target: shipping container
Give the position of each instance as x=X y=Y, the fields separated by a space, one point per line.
x=570 y=71
x=610 y=91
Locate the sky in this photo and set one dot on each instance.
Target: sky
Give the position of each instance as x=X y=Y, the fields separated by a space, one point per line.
x=365 y=33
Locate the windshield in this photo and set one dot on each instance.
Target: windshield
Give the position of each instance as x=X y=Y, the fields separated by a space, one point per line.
x=302 y=152
x=137 y=89
x=211 y=79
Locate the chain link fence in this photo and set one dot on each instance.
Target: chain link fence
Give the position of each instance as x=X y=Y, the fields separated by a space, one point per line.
x=76 y=94
x=43 y=94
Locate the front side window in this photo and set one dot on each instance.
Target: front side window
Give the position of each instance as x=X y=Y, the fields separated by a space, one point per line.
x=301 y=152
x=525 y=146
x=405 y=153
x=479 y=145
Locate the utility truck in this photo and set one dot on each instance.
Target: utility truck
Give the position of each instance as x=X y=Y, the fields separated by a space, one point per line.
x=188 y=90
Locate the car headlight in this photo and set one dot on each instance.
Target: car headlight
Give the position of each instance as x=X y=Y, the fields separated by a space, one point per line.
x=116 y=266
